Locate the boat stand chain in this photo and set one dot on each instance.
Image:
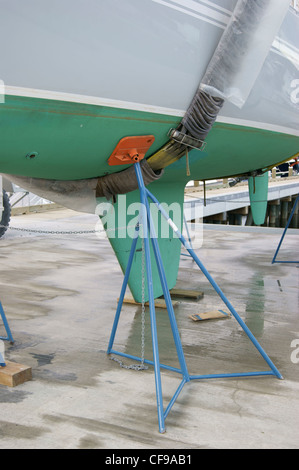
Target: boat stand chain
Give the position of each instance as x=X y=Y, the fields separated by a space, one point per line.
x=140 y=366
x=149 y=234
x=284 y=234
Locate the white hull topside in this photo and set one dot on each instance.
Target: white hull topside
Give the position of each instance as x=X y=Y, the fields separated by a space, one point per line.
x=147 y=55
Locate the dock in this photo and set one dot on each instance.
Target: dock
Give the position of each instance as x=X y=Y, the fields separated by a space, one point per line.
x=222 y=204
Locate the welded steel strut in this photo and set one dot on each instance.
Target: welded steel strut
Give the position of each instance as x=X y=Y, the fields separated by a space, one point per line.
x=284 y=234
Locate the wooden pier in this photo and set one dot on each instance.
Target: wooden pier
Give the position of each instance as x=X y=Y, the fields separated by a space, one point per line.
x=225 y=205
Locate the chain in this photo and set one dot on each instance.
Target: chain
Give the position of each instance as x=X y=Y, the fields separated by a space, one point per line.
x=143 y=305
x=54 y=232
x=140 y=366
x=68 y=232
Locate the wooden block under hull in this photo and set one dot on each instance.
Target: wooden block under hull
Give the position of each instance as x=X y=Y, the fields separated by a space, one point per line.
x=187 y=294
x=212 y=315
x=159 y=303
x=14 y=374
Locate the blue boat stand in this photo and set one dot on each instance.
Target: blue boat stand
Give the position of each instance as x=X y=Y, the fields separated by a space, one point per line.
x=9 y=336
x=149 y=232
x=284 y=234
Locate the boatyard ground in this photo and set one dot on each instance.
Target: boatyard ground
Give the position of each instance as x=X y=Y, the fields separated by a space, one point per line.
x=59 y=293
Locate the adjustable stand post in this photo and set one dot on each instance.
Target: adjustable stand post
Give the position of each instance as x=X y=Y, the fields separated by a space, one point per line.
x=149 y=230
x=284 y=233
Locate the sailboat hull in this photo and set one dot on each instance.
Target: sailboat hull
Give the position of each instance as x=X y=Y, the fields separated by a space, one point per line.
x=69 y=141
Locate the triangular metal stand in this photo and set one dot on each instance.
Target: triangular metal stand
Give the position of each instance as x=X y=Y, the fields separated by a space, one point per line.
x=284 y=234
x=9 y=336
x=149 y=232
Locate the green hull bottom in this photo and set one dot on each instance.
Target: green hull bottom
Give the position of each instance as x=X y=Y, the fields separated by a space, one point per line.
x=72 y=141
x=120 y=225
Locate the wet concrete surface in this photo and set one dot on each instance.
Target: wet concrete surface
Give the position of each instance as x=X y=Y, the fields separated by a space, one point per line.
x=59 y=293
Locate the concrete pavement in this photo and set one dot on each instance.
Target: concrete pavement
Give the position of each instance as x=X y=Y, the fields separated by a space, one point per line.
x=59 y=294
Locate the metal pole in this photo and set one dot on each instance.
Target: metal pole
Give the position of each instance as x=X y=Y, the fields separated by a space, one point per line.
x=188 y=234
x=234 y=375
x=167 y=297
x=175 y=396
x=187 y=230
x=6 y=326
x=145 y=234
x=123 y=290
x=284 y=233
